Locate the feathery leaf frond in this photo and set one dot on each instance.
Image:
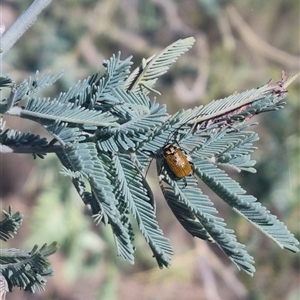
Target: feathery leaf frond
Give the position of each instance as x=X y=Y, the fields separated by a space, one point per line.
x=6 y=81
x=106 y=131
x=26 y=269
x=45 y=109
x=116 y=73
x=10 y=224
x=246 y=205
x=143 y=79
x=31 y=86
x=212 y=228
x=136 y=196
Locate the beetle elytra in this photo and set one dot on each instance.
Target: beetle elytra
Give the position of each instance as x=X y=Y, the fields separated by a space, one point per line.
x=177 y=161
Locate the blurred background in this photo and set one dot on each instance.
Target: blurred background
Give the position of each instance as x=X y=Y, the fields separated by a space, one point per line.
x=239 y=45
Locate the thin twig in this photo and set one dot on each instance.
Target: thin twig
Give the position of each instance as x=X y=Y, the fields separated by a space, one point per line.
x=30 y=149
x=22 y=24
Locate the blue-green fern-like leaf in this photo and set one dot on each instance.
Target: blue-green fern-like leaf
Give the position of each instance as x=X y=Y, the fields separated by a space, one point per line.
x=65 y=135
x=93 y=167
x=80 y=186
x=140 y=118
x=29 y=87
x=143 y=79
x=239 y=107
x=212 y=228
x=79 y=95
x=83 y=157
x=10 y=224
x=124 y=245
x=6 y=81
x=231 y=147
x=246 y=205
x=43 y=109
x=185 y=216
x=16 y=138
x=117 y=71
x=26 y=269
x=106 y=131
x=136 y=197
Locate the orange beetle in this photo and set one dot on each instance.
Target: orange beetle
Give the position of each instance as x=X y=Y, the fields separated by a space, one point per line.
x=177 y=161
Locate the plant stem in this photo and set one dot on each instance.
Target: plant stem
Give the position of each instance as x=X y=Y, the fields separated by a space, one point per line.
x=21 y=25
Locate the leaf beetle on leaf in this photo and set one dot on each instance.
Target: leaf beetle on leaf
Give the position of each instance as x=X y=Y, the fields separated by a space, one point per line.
x=177 y=161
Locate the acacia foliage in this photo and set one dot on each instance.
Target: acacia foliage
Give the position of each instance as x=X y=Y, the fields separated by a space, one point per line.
x=106 y=129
